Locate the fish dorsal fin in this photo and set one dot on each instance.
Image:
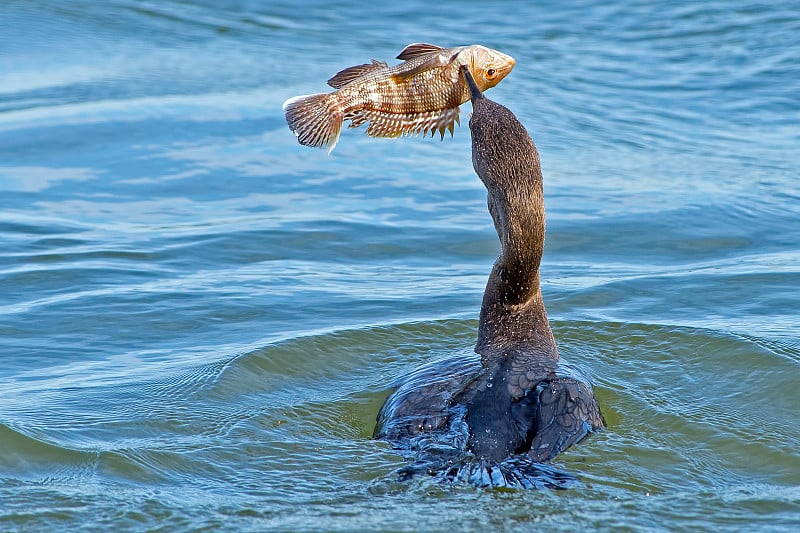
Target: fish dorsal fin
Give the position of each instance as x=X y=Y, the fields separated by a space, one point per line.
x=418 y=49
x=342 y=78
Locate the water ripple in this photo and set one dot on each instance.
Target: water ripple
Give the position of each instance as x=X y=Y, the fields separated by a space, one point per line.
x=200 y=319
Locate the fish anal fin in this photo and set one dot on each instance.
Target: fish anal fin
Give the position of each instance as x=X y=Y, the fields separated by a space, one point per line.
x=356 y=118
x=343 y=77
x=383 y=124
x=417 y=50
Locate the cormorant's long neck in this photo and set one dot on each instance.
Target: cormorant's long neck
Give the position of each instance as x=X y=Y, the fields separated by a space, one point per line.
x=513 y=319
x=513 y=313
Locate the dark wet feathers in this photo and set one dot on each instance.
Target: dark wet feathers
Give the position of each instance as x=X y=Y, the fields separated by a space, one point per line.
x=558 y=413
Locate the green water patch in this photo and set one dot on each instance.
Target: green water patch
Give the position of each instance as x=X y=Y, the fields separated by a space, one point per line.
x=29 y=458
x=688 y=407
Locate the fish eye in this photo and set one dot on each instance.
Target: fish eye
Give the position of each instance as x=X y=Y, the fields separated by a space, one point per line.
x=490 y=73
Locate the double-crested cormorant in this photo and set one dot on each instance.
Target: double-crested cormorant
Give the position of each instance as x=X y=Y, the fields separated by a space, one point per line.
x=496 y=420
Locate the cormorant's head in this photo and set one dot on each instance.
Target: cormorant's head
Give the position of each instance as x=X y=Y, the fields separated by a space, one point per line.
x=474 y=91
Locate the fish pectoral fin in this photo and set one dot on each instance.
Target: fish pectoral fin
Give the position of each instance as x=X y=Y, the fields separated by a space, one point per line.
x=343 y=77
x=417 y=50
x=434 y=61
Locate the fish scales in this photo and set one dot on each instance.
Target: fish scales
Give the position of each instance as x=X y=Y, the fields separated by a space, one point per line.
x=420 y=95
x=428 y=91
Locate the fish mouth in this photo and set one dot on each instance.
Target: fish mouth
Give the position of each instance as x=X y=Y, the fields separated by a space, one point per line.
x=502 y=64
x=507 y=62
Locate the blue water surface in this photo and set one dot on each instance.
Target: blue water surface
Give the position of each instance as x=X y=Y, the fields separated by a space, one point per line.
x=200 y=318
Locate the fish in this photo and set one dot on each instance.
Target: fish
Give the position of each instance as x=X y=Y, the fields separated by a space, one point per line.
x=420 y=95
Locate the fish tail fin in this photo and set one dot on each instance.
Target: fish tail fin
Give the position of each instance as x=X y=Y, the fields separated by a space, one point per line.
x=314 y=120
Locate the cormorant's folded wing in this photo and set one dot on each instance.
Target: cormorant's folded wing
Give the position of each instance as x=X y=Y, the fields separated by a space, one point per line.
x=558 y=413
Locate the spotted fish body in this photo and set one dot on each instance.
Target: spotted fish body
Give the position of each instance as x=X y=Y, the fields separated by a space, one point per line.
x=420 y=95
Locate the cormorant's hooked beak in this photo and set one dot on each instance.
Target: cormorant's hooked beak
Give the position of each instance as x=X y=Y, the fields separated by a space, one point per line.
x=474 y=91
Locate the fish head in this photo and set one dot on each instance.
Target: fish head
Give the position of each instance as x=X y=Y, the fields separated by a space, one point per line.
x=488 y=66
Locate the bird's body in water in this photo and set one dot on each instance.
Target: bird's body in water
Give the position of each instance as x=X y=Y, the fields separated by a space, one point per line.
x=420 y=95
x=501 y=417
